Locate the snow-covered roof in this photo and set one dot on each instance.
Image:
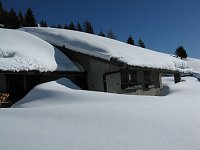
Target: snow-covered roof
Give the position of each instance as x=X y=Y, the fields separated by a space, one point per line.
x=194 y=64
x=106 y=48
x=21 y=51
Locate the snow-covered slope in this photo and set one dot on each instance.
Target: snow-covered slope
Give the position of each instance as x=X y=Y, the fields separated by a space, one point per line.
x=21 y=51
x=195 y=65
x=106 y=48
x=53 y=116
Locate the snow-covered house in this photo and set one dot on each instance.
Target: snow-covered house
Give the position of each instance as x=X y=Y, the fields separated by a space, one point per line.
x=26 y=61
x=113 y=66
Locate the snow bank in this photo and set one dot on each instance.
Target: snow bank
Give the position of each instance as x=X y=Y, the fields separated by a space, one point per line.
x=21 y=51
x=106 y=48
x=53 y=116
x=45 y=94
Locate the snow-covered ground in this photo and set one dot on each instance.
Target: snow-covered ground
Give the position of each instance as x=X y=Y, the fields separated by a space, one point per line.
x=53 y=116
x=21 y=51
x=106 y=48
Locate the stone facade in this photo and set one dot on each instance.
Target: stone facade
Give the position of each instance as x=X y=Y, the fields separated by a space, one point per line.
x=105 y=76
x=114 y=84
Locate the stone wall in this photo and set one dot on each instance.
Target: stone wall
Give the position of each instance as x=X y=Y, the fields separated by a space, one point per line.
x=97 y=70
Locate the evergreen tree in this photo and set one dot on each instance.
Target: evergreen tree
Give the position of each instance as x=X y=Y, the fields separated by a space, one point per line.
x=43 y=23
x=141 y=43
x=102 y=34
x=21 y=19
x=30 y=20
x=111 y=34
x=5 y=19
x=1 y=13
x=65 y=26
x=87 y=27
x=13 y=20
x=130 y=41
x=53 y=26
x=59 y=26
x=1 y=7
x=78 y=27
x=71 y=26
x=181 y=52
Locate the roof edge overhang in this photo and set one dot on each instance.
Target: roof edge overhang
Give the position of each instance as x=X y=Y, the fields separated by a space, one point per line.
x=35 y=72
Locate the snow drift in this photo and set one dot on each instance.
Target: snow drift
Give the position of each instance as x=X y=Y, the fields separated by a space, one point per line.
x=106 y=48
x=21 y=51
x=53 y=116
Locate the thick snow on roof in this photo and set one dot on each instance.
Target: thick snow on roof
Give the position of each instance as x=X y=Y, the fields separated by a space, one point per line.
x=53 y=116
x=21 y=51
x=107 y=48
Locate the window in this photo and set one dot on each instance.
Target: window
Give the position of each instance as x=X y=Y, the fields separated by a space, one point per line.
x=147 y=79
x=128 y=78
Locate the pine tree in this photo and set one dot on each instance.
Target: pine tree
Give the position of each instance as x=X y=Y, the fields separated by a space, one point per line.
x=130 y=41
x=71 y=26
x=59 y=26
x=13 y=20
x=65 y=26
x=102 y=34
x=181 y=52
x=87 y=27
x=53 y=26
x=111 y=34
x=78 y=27
x=43 y=23
x=1 y=7
x=1 y=13
x=21 y=19
x=30 y=20
x=5 y=19
x=141 y=43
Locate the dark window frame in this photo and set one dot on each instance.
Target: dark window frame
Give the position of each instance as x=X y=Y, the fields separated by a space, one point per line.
x=147 y=79
x=128 y=78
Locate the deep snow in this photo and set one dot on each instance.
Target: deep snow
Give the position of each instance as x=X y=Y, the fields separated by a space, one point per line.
x=53 y=116
x=21 y=51
x=106 y=48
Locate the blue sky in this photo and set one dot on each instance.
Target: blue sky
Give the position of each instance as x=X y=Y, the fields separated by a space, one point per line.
x=162 y=24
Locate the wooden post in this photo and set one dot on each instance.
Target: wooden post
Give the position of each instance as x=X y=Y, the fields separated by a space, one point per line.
x=177 y=77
